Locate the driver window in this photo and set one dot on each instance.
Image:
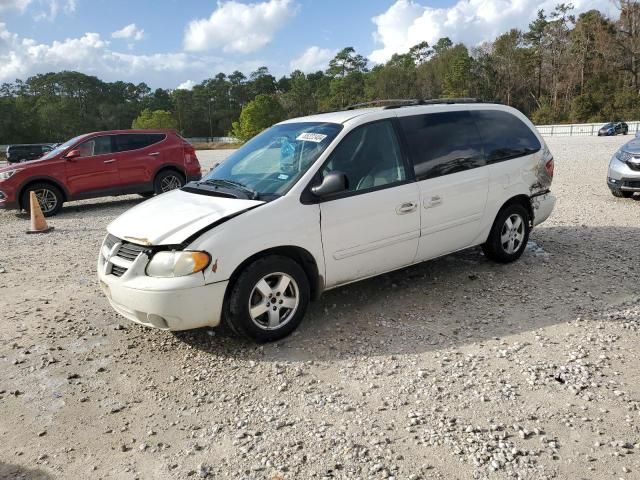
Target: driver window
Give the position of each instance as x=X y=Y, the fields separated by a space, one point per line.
x=95 y=146
x=369 y=156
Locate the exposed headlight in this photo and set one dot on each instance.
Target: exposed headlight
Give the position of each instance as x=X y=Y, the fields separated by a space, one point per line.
x=623 y=156
x=177 y=264
x=8 y=174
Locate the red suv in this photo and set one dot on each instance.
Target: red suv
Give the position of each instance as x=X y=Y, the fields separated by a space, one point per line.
x=101 y=164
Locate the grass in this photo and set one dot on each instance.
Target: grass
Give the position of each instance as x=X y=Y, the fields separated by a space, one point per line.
x=216 y=146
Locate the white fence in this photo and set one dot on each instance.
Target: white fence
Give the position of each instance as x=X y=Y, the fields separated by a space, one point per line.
x=212 y=140
x=579 y=129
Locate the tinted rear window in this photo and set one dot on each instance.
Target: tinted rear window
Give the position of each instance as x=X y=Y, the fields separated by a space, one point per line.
x=135 y=141
x=442 y=143
x=504 y=135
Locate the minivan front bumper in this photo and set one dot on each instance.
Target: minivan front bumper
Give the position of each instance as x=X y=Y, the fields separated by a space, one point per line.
x=179 y=303
x=182 y=309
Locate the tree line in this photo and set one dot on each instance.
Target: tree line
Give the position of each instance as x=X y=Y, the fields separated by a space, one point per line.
x=563 y=68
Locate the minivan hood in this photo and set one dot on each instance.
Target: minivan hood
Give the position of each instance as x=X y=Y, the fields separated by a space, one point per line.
x=632 y=146
x=171 y=218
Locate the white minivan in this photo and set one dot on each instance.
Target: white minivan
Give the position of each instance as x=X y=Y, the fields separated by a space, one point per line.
x=317 y=202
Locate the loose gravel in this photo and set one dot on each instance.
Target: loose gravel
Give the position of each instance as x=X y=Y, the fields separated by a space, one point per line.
x=455 y=368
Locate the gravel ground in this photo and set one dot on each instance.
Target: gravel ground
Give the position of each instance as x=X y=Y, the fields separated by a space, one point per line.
x=457 y=368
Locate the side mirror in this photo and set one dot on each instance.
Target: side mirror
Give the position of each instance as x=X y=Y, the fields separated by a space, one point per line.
x=334 y=182
x=72 y=154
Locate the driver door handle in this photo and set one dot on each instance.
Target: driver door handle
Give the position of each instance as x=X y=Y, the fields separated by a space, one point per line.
x=110 y=161
x=406 y=207
x=154 y=154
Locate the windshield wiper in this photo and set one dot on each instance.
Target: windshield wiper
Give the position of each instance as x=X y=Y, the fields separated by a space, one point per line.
x=252 y=194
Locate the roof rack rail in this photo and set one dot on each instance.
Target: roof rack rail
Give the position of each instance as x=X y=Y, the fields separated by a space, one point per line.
x=392 y=101
x=435 y=101
x=411 y=102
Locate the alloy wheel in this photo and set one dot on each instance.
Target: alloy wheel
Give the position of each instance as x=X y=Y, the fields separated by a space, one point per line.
x=274 y=301
x=47 y=199
x=170 y=182
x=512 y=234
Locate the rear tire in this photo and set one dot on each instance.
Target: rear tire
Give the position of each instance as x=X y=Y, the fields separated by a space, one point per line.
x=268 y=300
x=509 y=234
x=49 y=196
x=616 y=192
x=168 y=180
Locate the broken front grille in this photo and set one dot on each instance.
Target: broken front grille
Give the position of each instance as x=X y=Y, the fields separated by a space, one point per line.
x=123 y=256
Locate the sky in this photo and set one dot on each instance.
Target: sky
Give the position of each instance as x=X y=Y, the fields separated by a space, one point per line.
x=179 y=43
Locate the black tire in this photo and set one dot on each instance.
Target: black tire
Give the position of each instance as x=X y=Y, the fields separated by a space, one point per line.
x=246 y=291
x=616 y=192
x=494 y=248
x=167 y=180
x=50 y=197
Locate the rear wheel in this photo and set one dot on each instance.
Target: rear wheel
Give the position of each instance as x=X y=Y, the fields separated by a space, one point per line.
x=49 y=196
x=268 y=300
x=509 y=234
x=168 y=180
x=616 y=192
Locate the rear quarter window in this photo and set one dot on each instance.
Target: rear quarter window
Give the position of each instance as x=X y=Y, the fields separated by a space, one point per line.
x=504 y=135
x=442 y=143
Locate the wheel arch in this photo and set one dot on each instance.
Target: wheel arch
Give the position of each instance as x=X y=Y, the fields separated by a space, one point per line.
x=520 y=199
x=298 y=254
x=51 y=181
x=170 y=166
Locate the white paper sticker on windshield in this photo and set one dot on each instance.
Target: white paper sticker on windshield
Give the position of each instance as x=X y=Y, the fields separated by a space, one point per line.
x=311 y=137
x=282 y=176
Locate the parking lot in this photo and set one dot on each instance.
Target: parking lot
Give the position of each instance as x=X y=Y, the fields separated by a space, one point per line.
x=455 y=368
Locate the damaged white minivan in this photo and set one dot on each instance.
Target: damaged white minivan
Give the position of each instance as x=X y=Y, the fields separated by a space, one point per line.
x=317 y=202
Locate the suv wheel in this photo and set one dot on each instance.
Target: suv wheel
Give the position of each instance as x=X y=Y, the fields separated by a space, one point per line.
x=509 y=234
x=616 y=192
x=268 y=300
x=49 y=196
x=168 y=180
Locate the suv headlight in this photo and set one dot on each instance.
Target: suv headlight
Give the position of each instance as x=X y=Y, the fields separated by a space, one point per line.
x=623 y=156
x=177 y=264
x=8 y=174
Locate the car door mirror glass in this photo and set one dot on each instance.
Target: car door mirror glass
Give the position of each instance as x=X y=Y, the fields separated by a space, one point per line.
x=72 y=154
x=332 y=183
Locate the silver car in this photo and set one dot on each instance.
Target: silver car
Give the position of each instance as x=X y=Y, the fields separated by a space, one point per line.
x=623 y=177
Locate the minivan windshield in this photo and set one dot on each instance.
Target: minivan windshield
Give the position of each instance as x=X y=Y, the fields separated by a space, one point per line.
x=273 y=161
x=61 y=148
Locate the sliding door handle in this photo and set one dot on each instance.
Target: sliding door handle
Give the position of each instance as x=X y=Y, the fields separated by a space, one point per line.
x=406 y=207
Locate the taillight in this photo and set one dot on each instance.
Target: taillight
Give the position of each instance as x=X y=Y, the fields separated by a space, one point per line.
x=549 y=167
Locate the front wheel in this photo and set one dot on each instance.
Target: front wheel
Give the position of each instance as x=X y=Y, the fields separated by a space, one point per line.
x=49 y=196
x=509 y=234
x=168 y=180
x=616 y=192
x=268 y=300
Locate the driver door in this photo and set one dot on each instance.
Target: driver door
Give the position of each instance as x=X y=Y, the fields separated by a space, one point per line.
x=96 y=169
x=373 y=226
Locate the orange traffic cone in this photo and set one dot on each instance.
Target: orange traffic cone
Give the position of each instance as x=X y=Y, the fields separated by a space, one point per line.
x=38 y=223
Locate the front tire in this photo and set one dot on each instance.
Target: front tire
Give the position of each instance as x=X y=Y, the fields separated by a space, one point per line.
x=49 y=196
x=616 y=192
x=268 y=300
x=168 y=180
x=509 y=234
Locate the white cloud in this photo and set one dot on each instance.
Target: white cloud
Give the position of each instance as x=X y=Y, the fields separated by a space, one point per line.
x=20 y=5
x=91 y=54
x=313 y=59
x=130 y=31
x=53 y=7
x=239 y=27
x=187 y=85
x=407 y=22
